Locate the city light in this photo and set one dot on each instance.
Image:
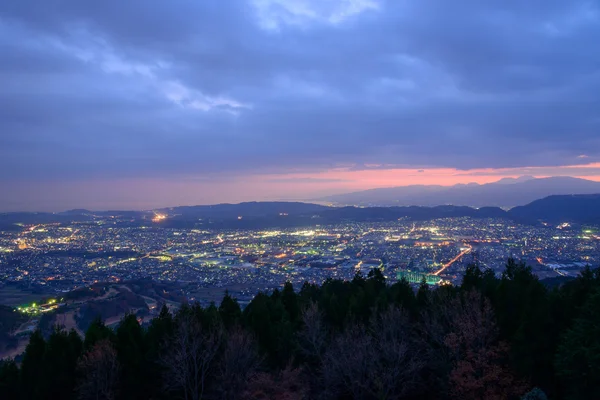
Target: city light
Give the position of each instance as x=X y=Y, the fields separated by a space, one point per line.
x=68 y=256
x=159 y=217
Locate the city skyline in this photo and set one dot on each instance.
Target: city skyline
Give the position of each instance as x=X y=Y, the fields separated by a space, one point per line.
x=146 y=105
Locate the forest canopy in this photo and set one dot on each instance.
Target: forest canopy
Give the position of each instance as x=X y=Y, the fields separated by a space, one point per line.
x=506 y=337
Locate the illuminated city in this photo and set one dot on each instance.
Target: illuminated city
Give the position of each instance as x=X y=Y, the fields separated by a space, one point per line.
x=56 y=258
x=300 y=200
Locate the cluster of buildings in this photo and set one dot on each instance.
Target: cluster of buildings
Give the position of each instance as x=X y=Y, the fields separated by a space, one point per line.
x=61 y=257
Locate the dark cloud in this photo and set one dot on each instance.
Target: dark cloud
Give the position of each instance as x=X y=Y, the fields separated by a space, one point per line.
x=154 y=88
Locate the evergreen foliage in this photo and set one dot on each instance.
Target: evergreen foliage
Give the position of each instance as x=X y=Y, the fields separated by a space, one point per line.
x=491 y=337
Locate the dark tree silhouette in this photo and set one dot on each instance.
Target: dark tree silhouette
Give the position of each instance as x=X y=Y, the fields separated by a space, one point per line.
x=98 y=369
x=358 y=339
x=189 y=357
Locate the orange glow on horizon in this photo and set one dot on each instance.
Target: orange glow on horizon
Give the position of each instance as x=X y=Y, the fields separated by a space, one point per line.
x=142 y=194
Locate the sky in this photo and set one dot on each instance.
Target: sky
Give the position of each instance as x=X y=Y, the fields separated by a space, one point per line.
x=140 y=104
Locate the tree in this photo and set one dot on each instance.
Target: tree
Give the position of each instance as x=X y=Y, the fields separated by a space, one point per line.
x=479 y=370
x=284 y=385
x=358 y=339
x=476 y=279
x=210 y=318
x=33 y=379
x=522 y=305
x=159 y=332
x=309 y=292
x=472 y=278
x=290 y=301
x=130 y=346
x=230 y=311
x=99 y=371
x=60 y=361
x=268 y=319
x=188 y=358
x=312 y=341
x=96 y=332
x=375 y=282
x=281 y=334
x=578 y=357
x=376 y=363
x=312 y=338
x=402 y=294
x=9 y=379
x=257 y=319
x=401 y=360
x=423 y=294
x=535 y=394
x=237 y=364
x=359 y=280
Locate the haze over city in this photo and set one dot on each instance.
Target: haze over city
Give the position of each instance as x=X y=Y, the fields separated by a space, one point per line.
x=138 y=105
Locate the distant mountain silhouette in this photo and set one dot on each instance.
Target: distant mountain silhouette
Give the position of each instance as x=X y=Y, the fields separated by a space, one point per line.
x=259 y=215
x=248 y=209
x=413 y=213
x=506 y=193
x=11 y=218
x=571 y=208
x=508 y=181
x=78 y=211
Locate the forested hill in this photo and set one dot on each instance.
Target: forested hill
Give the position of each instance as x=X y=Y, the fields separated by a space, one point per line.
x=574 y=208
x=490 y=338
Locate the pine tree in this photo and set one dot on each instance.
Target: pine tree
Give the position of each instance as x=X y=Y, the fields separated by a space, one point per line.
x=97 y=331
x=578 y=358
x=290 y=301
x=131 y=350
x=33 y=378
x=229 y=311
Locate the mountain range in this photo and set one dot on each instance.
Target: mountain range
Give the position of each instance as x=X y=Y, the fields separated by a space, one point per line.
x=505 y=193
x=581 y=208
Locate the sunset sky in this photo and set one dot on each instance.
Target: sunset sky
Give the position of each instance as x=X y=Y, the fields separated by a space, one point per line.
x=140 y=104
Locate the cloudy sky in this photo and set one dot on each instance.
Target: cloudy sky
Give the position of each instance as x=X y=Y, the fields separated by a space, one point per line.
x=147 y=103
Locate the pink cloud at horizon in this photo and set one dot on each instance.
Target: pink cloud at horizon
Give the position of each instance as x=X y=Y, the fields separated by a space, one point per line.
x=378 y=178
x=155 y=193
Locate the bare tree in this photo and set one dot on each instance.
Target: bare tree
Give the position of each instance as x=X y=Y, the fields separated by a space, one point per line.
x=373 y=364
x=286 y=385
x=462 y=336
x=347 y=363
x=313 y=336
x=188 y=357
x=438 y=318
x=479 y=369
x=400 y=357
x=238 y=364
x=99 y=370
